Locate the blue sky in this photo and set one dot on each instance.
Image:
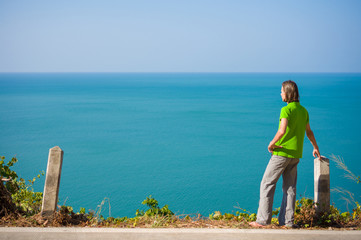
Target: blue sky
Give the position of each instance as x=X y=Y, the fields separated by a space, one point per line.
x=180 y=36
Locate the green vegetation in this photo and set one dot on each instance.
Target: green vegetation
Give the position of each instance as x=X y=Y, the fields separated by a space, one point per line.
x=28 y=203
x=22 y=192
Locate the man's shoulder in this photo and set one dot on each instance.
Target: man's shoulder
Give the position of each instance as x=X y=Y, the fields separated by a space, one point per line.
x=302 y=108
x=297 y=106
x=289 y=108
x=285 y=109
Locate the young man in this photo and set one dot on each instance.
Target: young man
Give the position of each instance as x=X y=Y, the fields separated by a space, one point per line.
x=286 y=148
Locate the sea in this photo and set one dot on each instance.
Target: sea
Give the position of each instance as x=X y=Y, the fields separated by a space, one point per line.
x=194 y=141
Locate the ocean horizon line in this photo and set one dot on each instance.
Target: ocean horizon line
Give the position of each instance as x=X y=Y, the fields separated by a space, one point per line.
x=165 y=72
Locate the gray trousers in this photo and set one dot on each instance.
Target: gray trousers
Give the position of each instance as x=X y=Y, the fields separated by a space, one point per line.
x=277 y=166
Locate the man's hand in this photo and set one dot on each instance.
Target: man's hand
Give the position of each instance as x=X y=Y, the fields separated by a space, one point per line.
x=272 y=146
x=316 y=153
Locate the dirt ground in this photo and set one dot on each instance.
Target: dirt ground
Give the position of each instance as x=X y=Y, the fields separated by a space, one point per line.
x=80 y=220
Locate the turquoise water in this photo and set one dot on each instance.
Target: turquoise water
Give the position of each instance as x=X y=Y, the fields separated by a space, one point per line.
x=197 y=142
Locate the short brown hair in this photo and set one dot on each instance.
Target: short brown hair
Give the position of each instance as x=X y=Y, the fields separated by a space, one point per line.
x=291 y=90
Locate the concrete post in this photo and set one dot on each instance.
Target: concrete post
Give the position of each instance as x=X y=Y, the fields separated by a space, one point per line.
x=52 y=181
x=322 y=184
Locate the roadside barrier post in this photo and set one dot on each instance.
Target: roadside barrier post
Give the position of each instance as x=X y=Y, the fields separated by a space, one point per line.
x=322 y=184
x=52 y=181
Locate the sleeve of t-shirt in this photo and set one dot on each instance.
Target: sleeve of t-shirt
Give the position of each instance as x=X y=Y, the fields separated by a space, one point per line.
x=308 y=119
x=284 y=113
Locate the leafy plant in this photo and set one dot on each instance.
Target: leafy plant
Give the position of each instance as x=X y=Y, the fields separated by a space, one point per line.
x=8 y=174
x=22 y=192
x=25 y=198
x=357 y=212
x=154 y=208
x=217 y=215
x=305 y=212
x=244 y=215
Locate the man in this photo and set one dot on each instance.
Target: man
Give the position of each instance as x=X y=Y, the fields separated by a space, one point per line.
x=286 y=148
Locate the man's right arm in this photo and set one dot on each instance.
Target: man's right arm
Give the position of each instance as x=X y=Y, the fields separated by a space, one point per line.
x=311 y=137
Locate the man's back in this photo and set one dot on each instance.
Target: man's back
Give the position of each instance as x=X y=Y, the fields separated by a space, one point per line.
x=292 y=141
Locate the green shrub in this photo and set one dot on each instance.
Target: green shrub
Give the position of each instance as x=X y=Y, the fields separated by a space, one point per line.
x=154 y=209
x=22 y=191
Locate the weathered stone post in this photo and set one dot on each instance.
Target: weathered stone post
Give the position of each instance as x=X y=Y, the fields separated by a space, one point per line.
x=52 y=181
x=322 y=184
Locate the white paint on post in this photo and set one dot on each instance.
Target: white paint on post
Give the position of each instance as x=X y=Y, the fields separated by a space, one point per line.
x=52 y=182
x=322 y=184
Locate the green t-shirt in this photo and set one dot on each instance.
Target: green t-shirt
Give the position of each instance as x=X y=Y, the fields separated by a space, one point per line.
x=292 y=141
